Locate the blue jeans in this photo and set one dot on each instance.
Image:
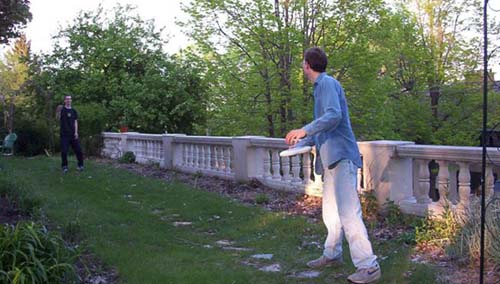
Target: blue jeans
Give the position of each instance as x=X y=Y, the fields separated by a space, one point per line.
x=342 y=214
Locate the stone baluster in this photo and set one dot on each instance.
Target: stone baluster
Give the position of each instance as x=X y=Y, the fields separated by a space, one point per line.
x=227 y=156
x=201 y=158
x=422 y=194
x=196 y=156
x=184 y=154
x=191 y=155
x=159 y=150
x=306 y=167
x=153 y=153
x=215 y=156
x=220 y=159
x=490 y=181
x=452 y=189
x=285 y=167
x=443 y=182
x=464 y=185
x=208 y=157
x=140 y=149
x=267 y=164
x=276 y=164
x=296 y=168
x=147 y=150
x=136 y=149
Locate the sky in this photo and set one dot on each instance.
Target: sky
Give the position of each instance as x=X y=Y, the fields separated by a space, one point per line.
x=50 y=15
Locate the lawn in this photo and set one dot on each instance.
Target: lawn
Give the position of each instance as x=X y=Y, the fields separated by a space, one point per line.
x=154 y=231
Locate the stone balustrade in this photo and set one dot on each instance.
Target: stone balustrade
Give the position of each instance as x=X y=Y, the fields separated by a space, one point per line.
x=397 y=171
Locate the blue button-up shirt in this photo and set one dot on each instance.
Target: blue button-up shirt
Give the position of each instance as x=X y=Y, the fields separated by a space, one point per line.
x=331 y=130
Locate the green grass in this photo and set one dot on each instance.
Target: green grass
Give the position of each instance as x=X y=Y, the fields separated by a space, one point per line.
x=128 y=221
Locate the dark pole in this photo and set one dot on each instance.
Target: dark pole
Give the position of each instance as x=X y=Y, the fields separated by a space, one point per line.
x=484 y=142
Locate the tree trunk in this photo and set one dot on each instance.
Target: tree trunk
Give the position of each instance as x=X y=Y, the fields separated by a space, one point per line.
x=435 y=93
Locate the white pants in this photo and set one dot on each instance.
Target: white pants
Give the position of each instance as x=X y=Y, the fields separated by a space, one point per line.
x=342 y=214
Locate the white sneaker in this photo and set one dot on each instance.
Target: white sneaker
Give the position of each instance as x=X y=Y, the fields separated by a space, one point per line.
x=366 y=275
x=324 y=261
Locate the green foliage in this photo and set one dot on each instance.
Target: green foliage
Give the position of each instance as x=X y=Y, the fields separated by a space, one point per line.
x=437 y=231
x=31 y=254
x=261 y=198
x=92 y=120
x=369 y=207
x=13 y=77
x=72 y=231
x=32 y=137
x=14 y=16
x=261 y=62
x=19 y=195
x=392 y=214
x=127 y=158
x=115 y=60
x=466 y=244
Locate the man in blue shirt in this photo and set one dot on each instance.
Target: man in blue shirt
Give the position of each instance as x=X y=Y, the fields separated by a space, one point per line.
x=338 y=160
x=69 y=134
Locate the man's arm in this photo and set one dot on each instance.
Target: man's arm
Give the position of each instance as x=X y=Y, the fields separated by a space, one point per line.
x=328 y=99
x=76 y=129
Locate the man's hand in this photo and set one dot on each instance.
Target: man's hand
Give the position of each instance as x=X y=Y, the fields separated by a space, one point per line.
x=293 y=136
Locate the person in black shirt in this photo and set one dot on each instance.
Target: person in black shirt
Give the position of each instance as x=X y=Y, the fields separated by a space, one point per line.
x=69 y=134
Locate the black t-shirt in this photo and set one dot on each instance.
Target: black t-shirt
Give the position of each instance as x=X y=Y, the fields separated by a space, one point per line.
x=68 y=117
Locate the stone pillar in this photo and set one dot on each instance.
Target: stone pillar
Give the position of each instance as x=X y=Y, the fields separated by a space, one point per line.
x=247 y=161
x=170 y=151
x=123 y=144
x=384 y=172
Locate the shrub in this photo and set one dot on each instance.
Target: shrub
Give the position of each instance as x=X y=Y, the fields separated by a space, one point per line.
x=466 y=245
x=127 y=158
x=19 y=197
x=92 y=119
x=261 y=198
x=369 y=207
x=32 y=138
x=437 y=231
x=30 y=254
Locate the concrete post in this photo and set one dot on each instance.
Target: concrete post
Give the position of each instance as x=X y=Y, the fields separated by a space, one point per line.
x=170 y=151
x=248 y=161
x=167 y=151
x=390 y=176
x=123 y=144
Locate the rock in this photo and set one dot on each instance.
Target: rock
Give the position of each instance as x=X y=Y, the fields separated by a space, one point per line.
x=271 y=268
x=177 y=224
x=223 y=243
x=237 y=248
x=262 y=256
x=307 y=274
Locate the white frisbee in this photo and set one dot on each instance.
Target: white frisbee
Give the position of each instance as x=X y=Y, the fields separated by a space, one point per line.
x=295 y=151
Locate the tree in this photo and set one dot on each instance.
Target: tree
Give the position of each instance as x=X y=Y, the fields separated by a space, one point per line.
x=434 y=49
x=14 y=15
x=13 y=76
x=255 y=50
x=116 y=62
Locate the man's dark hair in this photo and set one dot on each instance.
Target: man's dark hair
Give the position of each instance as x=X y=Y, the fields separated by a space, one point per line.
x=316 y=58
